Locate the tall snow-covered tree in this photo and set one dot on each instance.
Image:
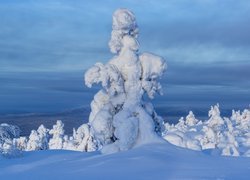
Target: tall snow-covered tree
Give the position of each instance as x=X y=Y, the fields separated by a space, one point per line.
x=120 y=117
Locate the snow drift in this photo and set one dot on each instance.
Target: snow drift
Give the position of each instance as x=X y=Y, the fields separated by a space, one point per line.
x=147 y=162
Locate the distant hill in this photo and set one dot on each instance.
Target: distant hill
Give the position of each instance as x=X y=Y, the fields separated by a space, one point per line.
x=73 y=118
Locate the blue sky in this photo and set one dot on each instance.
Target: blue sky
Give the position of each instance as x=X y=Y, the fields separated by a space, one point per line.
x=48 y=43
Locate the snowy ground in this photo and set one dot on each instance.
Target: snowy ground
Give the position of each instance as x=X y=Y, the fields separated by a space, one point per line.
x=152 y=161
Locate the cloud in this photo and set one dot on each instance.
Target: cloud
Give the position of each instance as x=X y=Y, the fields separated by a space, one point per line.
x=56 y=35
x=204 y=53
x=206 y=43
x=223 y=74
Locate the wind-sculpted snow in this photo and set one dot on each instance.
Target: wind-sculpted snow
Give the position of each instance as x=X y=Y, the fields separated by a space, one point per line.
x=120 y=119
x=157 y=161
x=226 y=136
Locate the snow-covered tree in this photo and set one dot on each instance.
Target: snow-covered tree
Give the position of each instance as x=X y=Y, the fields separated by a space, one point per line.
x=34 y=142
x=83 y=139
x=7 y=146
x=21 y=143
x=43 y=134
x=181 y=125
x=57 y=132
x=190 y=119
x=9 y=149
x=8 y=132
x=69 y=143
x=230 y=147
x=38 y=140
x=120 y=118
x=215 y=121
x=209 y=138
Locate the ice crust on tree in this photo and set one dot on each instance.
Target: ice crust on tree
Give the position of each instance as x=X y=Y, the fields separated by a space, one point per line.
x=120 y=119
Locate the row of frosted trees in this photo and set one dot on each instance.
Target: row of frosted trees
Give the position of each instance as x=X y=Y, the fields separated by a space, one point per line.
x=43 y=139
x=224 y=136
x=220 y=135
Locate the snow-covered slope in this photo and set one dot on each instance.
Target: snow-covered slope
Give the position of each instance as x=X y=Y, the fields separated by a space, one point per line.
x=152 y=161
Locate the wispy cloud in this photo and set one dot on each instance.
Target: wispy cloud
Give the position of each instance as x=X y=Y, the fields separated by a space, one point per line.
x=45 y=34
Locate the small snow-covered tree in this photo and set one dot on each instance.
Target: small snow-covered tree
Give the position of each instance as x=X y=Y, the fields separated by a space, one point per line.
x=242 y=119
x=38 y=140
x=8 y=132
x=57 y=132
x=69 y=143
x=230 y=147
x=215 y=121
x=209 y=139
x=120 y=117
x=21 y=143
x=9 y=149
x=43 y=134
x=83 y=139
x=213 y=128
x=34 y=142
x=181 y=126
x=190 y=119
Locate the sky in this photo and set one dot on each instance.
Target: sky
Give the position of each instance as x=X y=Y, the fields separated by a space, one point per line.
x=47 y=45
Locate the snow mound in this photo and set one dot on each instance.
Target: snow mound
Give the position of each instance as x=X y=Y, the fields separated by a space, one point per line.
x=147 y=162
